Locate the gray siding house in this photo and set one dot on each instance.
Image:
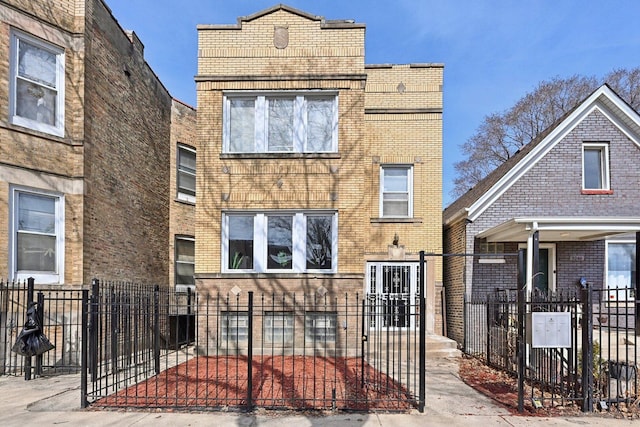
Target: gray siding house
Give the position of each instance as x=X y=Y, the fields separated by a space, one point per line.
x=574 y=191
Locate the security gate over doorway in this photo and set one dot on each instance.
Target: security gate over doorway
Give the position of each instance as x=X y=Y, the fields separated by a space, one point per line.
x=393 y=292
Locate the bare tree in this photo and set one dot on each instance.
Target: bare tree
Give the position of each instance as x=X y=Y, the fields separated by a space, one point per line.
x=501 y=135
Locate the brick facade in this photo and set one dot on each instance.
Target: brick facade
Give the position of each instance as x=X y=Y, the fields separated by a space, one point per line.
x=112 y=162
x=182 y=213
x=550 y=188
x=386 y=115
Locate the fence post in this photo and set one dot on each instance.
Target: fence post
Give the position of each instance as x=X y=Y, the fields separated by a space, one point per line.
x=423 y=334
x=83 y=340
x=93 y=328
x=488 y=311
x=40 y=315
x=27 y=359
x=156 y=328
x=521 y=340
x=250 y=353
x=363 y=338
x=587 y=349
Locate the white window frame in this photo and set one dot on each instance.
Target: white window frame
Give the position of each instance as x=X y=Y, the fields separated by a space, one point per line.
x=409 y=169
x=180 y=287
x=604 y=164
x=58 y=129
x=191 y=198
x=261 y=144
x=615 y=295
x=56 y=277
x=299 y=241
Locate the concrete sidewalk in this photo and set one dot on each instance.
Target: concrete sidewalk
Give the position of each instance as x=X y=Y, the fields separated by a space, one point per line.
x=450 y=402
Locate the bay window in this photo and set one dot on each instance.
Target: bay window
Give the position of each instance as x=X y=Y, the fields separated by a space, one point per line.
x=280 y=123
x=280 y=241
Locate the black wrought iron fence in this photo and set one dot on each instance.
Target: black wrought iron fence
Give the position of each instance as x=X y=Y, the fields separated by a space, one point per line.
x=60 y=316
x=317 y=351
x=561 y=334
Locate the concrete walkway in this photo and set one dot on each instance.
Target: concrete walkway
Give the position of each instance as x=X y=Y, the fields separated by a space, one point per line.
x=450 y=402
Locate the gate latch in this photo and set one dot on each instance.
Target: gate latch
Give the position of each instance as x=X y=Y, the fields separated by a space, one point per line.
x=364 y=338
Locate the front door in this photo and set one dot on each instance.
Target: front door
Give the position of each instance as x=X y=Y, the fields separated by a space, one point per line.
x=545 y=282
x=392 y=294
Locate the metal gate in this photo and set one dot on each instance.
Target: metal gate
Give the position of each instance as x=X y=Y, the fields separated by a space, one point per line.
x=59 y=312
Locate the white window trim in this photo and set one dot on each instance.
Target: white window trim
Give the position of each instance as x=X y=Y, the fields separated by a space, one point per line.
x=261 y=121
x=58 y=129
x=42 y=278
x=607 y=296
x=183 y=196
x=604 y=166
x=409 y=188
x=299 y=240
x=181 y=287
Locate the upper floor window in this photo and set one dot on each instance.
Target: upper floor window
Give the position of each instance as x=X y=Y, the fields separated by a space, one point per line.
x=281 y=123
x=186 y=173
x=280 y=242
x=595 y=166
x=37 y=84
x=396 y=191
x=37 y=237
x=184 y=263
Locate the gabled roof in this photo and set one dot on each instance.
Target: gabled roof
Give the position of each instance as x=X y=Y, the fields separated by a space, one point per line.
x=473 y=203
x=341 y=23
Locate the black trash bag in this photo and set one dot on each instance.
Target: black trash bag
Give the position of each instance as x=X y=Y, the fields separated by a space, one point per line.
x=31 y=341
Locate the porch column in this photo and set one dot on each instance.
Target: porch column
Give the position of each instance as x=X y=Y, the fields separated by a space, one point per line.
x=533 y=259
x=637 y=284
x=535 y=271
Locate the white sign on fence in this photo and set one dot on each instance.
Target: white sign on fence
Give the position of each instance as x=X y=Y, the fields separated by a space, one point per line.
x=549 y=329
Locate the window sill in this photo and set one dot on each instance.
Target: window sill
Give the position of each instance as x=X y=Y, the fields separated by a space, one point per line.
x=396 y=220
x=246 y=156
x=39 y=133
x=487 y=260
x=595 y=192
x=184 y=201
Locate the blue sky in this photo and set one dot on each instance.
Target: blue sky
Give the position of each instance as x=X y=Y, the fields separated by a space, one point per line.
x=494 y=51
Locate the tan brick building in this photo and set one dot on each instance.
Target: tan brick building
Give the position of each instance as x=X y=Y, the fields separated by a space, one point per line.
x=182 y=182
x=316 y=173
x=85 y=147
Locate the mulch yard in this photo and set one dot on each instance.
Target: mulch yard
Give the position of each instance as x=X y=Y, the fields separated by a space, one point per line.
x=294 y=382
x=503 y=388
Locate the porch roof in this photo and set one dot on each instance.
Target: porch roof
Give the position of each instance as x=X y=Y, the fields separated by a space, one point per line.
x=556 y=229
